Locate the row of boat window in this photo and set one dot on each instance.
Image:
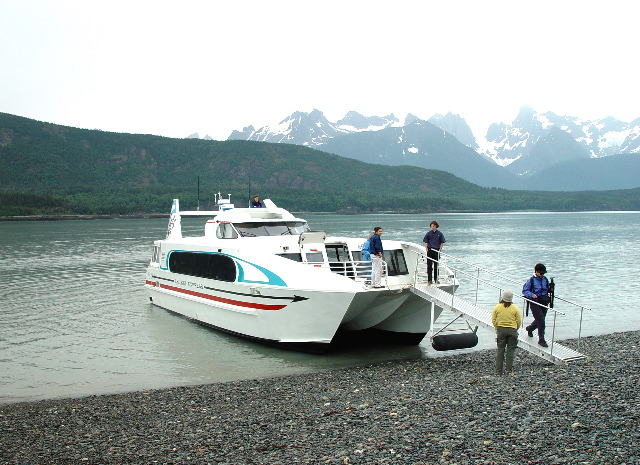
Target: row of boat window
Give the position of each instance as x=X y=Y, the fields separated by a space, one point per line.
x=339 y=260
x=223 y=268
x=285 y=228
x=203 y=265
x=396 y=264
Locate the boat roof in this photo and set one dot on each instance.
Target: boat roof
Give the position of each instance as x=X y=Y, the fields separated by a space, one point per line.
x=270 y=213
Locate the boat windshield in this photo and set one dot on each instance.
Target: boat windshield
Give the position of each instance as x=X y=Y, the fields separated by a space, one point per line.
x=285 y=228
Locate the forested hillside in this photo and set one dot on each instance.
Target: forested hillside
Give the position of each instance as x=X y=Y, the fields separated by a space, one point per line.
x=53 y=169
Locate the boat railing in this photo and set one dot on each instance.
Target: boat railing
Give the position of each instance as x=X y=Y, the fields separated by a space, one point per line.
x=488 y=286
x=420 y=276
x=359 y=271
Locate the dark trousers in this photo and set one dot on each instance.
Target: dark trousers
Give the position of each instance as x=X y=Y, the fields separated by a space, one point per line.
x=432 y=266
x=539 y=314
x=507 y=339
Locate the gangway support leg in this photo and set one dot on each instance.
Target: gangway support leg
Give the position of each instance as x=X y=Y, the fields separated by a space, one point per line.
x=433 y=318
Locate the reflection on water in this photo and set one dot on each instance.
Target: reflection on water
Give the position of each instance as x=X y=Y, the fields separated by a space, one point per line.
x=75 y=319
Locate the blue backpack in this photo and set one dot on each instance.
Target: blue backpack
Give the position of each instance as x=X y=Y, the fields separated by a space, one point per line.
x=547 y=299
x=366 y=253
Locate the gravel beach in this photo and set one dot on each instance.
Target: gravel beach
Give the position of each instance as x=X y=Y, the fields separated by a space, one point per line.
x=446 y=410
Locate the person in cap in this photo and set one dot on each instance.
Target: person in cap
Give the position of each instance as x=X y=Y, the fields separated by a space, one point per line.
x=536 y=289
x=506 y=319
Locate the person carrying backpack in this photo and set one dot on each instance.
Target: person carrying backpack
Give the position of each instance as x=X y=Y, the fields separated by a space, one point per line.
x=366 y=256
x=536 y=289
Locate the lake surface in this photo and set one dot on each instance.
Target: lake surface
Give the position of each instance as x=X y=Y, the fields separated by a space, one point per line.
x=75 y=319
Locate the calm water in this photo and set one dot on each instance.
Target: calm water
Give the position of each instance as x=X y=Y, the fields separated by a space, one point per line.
x=75 y=319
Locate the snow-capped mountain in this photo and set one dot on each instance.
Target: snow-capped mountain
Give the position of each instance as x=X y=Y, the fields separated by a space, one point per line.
x=457 y=126
x=420 y=143
x=388 y=141
x=300 y=128
x=313 y=129
x=511 y=145
x=355 y=122
x=552 y=147
x=532 y=143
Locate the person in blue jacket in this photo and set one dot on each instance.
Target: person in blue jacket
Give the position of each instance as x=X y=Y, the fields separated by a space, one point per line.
x=366 y=256
x=375 y=248
x=536 y=289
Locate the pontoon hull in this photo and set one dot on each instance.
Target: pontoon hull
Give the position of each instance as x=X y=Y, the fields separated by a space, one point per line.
x=297 y=319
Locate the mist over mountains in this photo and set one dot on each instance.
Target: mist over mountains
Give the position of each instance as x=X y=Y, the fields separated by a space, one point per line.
x=539 y=151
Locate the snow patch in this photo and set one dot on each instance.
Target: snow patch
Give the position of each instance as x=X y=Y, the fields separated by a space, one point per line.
x=585 y=140
x=349 y=128
x=544 y=121
x=613 y=138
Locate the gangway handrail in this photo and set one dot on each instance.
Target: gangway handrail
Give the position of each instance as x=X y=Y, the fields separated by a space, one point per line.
x=556 y=353
x=422 y=255
x=501 y=288
x=555 y=311
x=506 y=278
x=577 y=305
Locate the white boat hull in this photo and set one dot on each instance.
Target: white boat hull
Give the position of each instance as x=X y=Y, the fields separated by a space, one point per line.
x=282 y=316
x=300 y=319
x=261 y=274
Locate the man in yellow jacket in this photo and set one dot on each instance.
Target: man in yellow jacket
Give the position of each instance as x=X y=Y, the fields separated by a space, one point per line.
x=506 y=319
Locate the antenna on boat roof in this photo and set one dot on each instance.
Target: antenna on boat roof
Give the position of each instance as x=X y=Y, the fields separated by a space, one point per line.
x=198 y=204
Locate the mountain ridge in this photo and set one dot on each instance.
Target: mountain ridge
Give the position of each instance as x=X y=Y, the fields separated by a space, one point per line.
x=531 y=143
x=53 y=169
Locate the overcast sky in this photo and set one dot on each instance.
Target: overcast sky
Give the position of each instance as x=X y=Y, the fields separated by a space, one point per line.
x=174 y=68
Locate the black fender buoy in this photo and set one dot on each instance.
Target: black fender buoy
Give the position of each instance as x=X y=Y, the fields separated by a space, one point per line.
x=454 y=341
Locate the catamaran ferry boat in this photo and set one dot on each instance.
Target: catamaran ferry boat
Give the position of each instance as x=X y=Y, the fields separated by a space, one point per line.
x=261 y=273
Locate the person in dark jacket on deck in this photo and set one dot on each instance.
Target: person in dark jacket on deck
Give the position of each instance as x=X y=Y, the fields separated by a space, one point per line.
x=433 y=242
x=255 y=203
x=536 y=289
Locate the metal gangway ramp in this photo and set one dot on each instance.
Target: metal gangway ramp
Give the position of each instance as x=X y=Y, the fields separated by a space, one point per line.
x=480 y=314
x=556 y=353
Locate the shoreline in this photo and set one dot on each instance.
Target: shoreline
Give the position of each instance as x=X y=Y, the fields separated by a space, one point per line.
x=83 y=217
x=136 y=216
x=441 y=410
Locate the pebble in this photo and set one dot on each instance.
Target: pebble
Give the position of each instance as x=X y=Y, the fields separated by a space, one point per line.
x=449 y=410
